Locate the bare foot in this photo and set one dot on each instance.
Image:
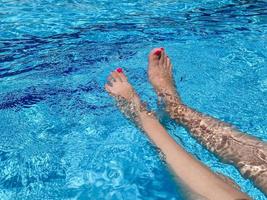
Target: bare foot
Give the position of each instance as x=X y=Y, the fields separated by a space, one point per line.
x=160 y=74
x=118 y=86
x=127 y=99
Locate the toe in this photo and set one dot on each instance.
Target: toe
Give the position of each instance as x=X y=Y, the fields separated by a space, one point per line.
x=165 y=60
x=162 y=58
x=168 y=62
x=170 y=68
x=111 y=78
x=154 y=56
x=108 y=88
x=110 y=81
x=115 y=76
x=169 y=65
x=122 y=76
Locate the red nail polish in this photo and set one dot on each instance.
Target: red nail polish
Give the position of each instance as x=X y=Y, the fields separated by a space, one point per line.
x=119 y=70
x=162 y=48
x=158 y=52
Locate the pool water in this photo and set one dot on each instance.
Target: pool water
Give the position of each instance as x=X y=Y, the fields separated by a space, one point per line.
x=61 y=135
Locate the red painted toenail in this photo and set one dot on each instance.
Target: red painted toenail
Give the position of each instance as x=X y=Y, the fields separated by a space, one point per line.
x=158 y=52
x=162 y=48
x=119 y=70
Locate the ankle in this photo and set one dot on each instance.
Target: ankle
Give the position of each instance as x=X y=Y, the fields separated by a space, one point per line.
x=169 y=98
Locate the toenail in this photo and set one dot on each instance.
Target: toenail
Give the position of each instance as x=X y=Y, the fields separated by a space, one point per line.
x=158 y=52
x=119 y=70
x=162 y=48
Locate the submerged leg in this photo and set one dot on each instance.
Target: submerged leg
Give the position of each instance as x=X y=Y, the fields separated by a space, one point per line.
x=192 y=173
x=247 y=153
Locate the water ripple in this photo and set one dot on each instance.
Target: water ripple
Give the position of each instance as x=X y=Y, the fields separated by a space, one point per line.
x=62 y=137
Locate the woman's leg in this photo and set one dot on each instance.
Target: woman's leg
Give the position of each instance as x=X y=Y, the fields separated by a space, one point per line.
x=247 y=153
x=193 y=174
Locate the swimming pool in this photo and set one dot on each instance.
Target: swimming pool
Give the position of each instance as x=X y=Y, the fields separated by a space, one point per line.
x=61 y=135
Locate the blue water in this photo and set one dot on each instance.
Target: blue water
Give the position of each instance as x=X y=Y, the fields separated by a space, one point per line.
x=62 y=137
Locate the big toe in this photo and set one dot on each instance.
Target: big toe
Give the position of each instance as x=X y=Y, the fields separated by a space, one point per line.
x=154 y=56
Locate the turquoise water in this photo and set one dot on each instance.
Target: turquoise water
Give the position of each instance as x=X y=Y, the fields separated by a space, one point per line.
x=62 y=136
